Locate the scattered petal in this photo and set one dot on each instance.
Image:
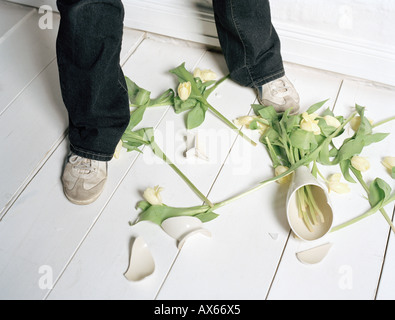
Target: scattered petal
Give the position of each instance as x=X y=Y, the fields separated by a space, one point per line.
x=335 y=185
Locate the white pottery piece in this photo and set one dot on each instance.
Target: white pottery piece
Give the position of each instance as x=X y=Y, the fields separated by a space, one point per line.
x=141 y=263
x=303 y=177
x=314 y=255
x=181 y=228
x=196 y=147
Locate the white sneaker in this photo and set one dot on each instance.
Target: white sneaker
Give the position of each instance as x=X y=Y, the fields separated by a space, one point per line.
x=83 y=179
x=281 y=94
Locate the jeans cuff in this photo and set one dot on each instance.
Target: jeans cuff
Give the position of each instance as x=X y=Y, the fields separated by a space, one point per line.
x=90 y=154
x=244 y=77
x=276 y=75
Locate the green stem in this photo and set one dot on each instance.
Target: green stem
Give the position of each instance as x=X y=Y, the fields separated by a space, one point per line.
x=229 y=123
x=365 y=215
x=210 y=90
x=382 y=122
x=158 y=152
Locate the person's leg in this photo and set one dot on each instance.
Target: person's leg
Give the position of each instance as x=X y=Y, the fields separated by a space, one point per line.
x=92 y=83
x=94 y=91
x=252 y=50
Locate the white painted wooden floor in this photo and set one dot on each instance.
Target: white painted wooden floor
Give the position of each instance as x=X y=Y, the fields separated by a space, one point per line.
x=251 y=255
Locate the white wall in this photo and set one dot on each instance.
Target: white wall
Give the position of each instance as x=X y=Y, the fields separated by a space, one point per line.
x=355 y=37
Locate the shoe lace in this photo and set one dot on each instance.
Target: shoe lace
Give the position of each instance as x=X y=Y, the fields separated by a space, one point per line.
x=82 y=165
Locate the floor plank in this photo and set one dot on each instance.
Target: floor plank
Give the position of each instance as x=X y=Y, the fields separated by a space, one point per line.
x=25 y=52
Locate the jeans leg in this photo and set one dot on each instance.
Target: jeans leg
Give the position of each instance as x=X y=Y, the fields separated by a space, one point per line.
x=249 y=41
x=92 y=82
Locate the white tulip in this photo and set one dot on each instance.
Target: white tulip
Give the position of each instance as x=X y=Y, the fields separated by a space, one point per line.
x=152 y=195
x=309 y=123
x=360 y=163
x=205 y=75
x=184 y=90
x=332 y=121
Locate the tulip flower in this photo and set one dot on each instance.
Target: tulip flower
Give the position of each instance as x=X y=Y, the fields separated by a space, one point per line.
x=356 y=122
x=389 y=163
x=360 y=163
x=335 y=185
x=152 y=195
x=332 y=121
x=205 y=75
x=184 y=90
x=280 y=170
x=118 y=150
x=247 y=120
x=309 y=123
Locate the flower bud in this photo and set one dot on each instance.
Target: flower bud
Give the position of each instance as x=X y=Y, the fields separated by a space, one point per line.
x=389 y=162
x=309 y=123
x=332 y=121
x=279 y=170
x=356 y=122
x=118 y=149
x=184 y=90
x=205 y=75
x=152 y=195
x=360 y=163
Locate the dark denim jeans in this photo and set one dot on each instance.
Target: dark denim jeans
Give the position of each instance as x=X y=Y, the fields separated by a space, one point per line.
x=93 y=85
x=249 y=41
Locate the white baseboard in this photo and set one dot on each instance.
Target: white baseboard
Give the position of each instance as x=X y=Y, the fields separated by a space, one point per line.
x=193 y=20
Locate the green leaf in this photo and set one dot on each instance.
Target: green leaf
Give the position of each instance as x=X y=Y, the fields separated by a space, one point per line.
x=195 y=117
x=181 y=106
x=345 y=168
x=135 y=117
x=315 y=107
x=159 y=213
x=137 y=96
x=373 y=138
x=326 y=130
x=379 y=191
x=166 y=98
x=269 y=114
x=206 y=216
x=302 y=139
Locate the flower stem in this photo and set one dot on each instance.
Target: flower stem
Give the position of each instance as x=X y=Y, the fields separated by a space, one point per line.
x=382 y=122
x=158 y=152
x=229 y=123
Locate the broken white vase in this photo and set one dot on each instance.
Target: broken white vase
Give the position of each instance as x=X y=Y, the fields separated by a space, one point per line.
x=141 y=263
x=196 y=147
x=181 y=228
x=314 y=255
x=302 y=177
